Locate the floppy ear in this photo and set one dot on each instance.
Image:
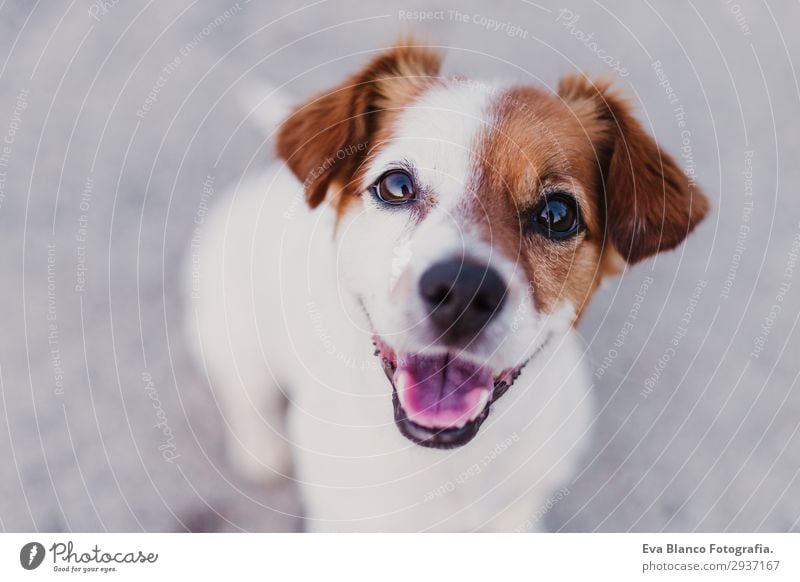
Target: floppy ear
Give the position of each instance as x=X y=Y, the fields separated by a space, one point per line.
x=650 y=204
x=330 y=135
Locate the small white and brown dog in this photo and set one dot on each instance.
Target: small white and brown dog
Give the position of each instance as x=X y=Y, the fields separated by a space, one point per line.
x=409 y=277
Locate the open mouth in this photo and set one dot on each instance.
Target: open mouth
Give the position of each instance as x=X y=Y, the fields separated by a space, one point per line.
x=441 y=400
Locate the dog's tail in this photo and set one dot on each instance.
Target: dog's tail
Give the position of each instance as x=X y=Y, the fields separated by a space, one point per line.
x=264 y=105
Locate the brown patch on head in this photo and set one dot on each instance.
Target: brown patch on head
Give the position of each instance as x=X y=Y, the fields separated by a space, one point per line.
x=587 y=145
x=535 y=148
x=325 y=140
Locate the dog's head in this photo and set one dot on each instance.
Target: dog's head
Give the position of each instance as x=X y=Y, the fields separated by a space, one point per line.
x=475 y=223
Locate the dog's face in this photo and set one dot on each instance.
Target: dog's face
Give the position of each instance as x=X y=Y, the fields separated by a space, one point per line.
x=475 y=223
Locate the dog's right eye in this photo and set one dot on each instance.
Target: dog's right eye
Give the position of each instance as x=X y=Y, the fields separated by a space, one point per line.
x=395 y=187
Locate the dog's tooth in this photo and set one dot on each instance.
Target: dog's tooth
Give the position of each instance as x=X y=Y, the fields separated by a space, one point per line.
x=401 y=382
x=484 y=399
x=462 y=422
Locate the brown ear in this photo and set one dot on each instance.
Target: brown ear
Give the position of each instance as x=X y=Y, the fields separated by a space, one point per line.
x=650 y=204
x=330 y=135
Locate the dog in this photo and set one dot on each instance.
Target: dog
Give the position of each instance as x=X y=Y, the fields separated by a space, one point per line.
x=387 y=313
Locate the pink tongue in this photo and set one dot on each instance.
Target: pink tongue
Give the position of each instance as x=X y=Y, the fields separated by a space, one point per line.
x=440 y=392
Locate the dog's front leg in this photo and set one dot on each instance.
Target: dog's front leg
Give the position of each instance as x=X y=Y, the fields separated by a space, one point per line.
x=250 y=400
x=257 y=447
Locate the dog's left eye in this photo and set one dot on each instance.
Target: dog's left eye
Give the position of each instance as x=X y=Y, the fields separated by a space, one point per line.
x=557 y=216
x=395 y=187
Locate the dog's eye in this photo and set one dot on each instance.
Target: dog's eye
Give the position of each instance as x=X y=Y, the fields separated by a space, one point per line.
x=557 y=216
x=395 y=187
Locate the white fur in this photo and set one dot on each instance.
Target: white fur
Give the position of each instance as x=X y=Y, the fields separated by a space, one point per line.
x=277 y=310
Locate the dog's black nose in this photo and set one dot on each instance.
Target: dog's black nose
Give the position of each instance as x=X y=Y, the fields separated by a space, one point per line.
x=461 y=298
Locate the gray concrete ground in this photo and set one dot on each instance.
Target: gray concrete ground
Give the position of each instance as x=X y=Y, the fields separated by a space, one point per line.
x=99 y=188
